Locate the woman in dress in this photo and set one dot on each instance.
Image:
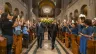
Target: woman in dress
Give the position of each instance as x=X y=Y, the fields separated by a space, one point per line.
x=86 y=34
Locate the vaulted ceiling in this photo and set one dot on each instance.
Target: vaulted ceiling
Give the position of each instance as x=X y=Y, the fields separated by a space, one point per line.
x=39 y=5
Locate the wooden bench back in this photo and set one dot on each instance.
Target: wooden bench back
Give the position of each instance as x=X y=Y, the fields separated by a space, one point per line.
x=3 y=47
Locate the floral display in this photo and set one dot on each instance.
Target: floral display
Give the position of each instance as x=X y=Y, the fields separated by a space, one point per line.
x=47 y=20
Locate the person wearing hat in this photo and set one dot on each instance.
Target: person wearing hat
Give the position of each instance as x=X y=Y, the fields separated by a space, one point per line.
x=81 y=22
x=74 y=29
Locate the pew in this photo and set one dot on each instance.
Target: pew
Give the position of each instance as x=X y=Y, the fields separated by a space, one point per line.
x=66 y=40
x=95 y=46
x=63 y=38
x=91 y=47
x=74 y=45
x=30 y=36
x=17 y=44
x=78 y=40
x=3 y=47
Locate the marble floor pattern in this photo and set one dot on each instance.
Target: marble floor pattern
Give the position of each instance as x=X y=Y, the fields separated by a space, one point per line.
x=46 y=47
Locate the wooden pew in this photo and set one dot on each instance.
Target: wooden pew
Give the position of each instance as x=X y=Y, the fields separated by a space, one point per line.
x=74 y=45
x=63 y=34
x=78 y=40
x=30 y=36
x=66 y=40
x=3 y=47
x=90 y=47
x=17 y=44
x=95 y=46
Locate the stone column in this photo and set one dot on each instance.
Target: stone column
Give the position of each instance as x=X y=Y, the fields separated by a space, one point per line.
x=29 y=9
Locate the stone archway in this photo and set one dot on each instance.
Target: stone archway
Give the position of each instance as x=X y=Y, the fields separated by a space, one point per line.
x=21 y=14
x=70 y=15
x=8 y=7
x=84 y=10
x=76 y=14
x=16 y=10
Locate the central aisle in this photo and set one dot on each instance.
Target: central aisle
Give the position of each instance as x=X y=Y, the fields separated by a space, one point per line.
x=46 y=47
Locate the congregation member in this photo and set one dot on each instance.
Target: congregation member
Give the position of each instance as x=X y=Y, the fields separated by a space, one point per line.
x=64 y=27
x=1 y=38
x=17 y=28
x=74 y=29
x=7 y=30
x=25 y=34
x=86 y=34
x=81 y=22
x=94 y=27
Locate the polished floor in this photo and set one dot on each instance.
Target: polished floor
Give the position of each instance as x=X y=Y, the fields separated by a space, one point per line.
x=46 y=49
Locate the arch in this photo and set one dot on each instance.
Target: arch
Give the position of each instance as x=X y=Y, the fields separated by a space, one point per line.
x=22 y=14
x=84 y=9
x=16 y=10
x=46 y=2
x=76 y=14
x=8 y=7
x=70 y=15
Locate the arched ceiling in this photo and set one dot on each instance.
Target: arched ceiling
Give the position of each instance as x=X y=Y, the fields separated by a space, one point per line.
x=54 y=4
x=46 y=3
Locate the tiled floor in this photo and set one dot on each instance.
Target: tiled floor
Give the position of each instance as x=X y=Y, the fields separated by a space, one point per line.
x=46 y=47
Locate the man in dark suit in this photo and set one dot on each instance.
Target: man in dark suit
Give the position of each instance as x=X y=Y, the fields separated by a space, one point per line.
x=39 y=33
x=49 y=31
x=54 y=33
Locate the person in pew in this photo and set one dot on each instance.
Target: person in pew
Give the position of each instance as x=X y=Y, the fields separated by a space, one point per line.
x=94 y=27
x=1 y=38
x=86 y=34
x=74 y=29
x=0 y=22
x=39 y=33
x=68 y=27
x=25 y=35
x=64 y=28
x=7 y=30
x=54 y=33
x=81 y=23
x=17 y=28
